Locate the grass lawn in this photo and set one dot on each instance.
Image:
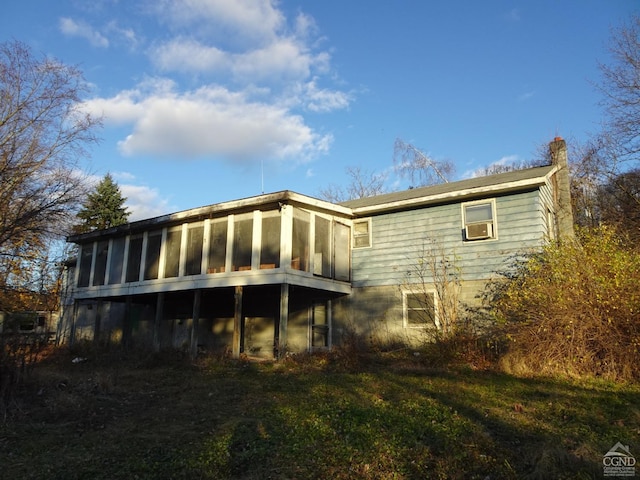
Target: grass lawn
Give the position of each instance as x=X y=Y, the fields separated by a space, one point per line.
x=324 y=417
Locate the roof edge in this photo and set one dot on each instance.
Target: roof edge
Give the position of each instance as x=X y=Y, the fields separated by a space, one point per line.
x=455 y=195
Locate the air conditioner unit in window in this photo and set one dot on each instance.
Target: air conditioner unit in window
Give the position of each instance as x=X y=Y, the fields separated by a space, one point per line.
x=479 y=231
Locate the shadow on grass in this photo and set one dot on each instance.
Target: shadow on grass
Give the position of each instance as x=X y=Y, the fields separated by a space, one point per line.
x=369 y=420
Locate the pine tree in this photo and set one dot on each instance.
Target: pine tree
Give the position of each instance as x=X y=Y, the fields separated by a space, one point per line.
x=104 y=208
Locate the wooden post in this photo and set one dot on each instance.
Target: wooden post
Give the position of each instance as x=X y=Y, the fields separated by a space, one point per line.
x=126 y=323
x=284 y=319
x=97 y=324
x=237 y=322
x=197 y=296
x=157 y=321
x=74 y=319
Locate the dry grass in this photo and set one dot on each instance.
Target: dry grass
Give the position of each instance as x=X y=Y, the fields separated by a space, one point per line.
x=341 y=416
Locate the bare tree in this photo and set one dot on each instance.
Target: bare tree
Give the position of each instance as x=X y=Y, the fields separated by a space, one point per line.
x=43 y=134
x=621 y=91
x=435 y=278
x=421 y=169
x=363 y=184
x=496 y=168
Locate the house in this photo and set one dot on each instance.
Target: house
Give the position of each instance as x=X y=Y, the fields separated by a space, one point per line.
x=285 y=272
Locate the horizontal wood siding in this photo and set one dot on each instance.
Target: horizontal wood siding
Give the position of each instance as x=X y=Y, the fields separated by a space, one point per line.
x=400 y=239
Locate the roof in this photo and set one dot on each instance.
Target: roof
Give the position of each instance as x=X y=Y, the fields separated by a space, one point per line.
x=490 y=184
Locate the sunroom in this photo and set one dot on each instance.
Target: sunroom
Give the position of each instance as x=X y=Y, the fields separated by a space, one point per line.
x=254 y=276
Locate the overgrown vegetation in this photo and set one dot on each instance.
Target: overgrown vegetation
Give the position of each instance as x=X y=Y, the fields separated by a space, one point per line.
x=19 y=353
x=573 y=309
x=340 y=415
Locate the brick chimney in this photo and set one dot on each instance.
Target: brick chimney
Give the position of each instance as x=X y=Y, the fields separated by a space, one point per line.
x=562 y=195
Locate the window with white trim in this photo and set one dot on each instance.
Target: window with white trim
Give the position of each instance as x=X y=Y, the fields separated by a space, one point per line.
x=479 y=220
x=419 y=309
x=362 y=233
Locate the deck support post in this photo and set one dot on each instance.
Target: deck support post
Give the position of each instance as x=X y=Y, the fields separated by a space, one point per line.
x=237 y=322
x=284 y=319
x=157 y=321
x=197 y=296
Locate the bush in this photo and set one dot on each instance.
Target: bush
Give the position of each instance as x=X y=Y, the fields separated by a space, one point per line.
x=573 y=308
x=19 y=352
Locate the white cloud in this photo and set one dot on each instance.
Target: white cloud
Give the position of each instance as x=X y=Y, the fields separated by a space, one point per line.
x=72 y=28
x=280 y=60
x=188 y=55
x=275 y=69
x=211 y=122
x=144 y=202
x=324 y=100
x=256 y=20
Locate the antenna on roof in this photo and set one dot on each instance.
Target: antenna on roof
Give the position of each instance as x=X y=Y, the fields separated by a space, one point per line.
x=262 y=175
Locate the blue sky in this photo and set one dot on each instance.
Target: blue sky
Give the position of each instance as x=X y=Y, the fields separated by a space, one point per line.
x=212 y=100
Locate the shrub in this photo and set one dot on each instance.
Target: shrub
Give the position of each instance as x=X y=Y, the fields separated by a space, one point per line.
x=573 y=308
x=19 y=352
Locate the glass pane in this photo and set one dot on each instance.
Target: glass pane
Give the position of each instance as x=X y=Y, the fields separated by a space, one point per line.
x=319 y=336
x=152 y=256
x=300 y=246
x=322 y=255
x=361 y=234
x=86 y=255
x=217 y=246
x=133 y=260
x=117 y=258
x=319 y=327
x=478 y=213
x=194 y=250
x=342 y=234
x=270 y=251
x=242 y=244
x=319 y=314
x=100 y=268
x=361 y=228
x=420 y=308
x=172 y=256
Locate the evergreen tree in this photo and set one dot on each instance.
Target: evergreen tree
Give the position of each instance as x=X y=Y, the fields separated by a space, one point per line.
x=104 y=208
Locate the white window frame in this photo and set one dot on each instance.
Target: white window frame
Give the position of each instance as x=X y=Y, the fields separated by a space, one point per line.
x=405 y=310
x=355 y=235
x=494 y=220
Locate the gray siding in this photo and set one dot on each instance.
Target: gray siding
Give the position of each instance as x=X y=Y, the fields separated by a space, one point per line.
x=398 y=240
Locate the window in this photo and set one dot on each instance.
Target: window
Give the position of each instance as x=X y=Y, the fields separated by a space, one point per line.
x=172 y=253
x=100 y=268
x=419 y=310
x=242 y=242
x=479 y=220
x=86 y=256
x=133 y=260
x=195 y=237
x=319 y=326
x=270 y=249
x=362 y=233
x=117 y=260
x=300 y=244
x=341 y=251
x=322 y=252
x=152 y=255
x=217 y=246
